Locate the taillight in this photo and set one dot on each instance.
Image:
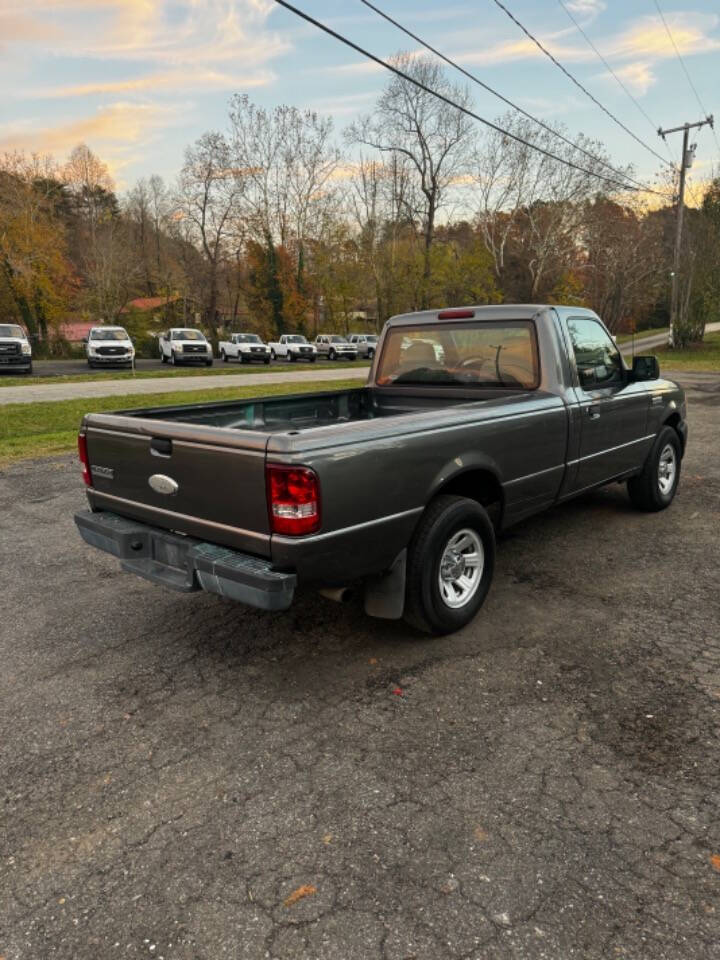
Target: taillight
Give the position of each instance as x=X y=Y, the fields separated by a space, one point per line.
x=293 y=499
x=83 y=454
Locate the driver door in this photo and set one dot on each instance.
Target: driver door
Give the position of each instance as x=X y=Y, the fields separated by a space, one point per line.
x=613 y=410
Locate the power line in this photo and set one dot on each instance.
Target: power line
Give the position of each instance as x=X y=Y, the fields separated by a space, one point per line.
x=456 y=106
x=685 y=69
x=607 y=66
x=579 y=85
x=485 y=86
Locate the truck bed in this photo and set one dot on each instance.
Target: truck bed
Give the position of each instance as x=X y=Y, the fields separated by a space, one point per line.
x=296 y=412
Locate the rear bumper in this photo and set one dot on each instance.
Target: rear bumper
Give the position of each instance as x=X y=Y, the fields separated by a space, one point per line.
x=186 y=564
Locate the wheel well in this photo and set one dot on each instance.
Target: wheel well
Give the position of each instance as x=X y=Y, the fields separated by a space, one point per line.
x=480 y=485
x=673 y=421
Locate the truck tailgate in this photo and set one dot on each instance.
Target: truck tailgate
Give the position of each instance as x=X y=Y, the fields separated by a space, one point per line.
x=216 y=489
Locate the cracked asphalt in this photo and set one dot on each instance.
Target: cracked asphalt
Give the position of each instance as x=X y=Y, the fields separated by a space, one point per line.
x=187 y=779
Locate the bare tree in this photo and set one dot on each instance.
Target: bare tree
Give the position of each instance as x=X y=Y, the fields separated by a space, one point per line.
x=208 y=200
x=434 y=138
x=537 y=201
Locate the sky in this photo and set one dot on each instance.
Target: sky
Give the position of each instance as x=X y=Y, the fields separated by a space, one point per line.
x=138 y=80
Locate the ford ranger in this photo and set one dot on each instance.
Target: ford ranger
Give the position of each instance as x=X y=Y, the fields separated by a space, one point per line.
x=471 y=420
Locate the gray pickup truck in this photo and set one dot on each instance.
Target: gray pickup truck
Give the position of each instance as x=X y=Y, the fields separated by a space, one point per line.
x=471 y=420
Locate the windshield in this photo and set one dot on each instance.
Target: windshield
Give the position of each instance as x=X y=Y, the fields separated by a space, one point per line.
x=11 y=330
x=295 y=338
x=187 y=335
x=247 y=338
x=111 y=333
x=338 y=340
x=478 y=355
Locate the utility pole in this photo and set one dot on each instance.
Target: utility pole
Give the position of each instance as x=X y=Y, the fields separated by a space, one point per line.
x=688 y=155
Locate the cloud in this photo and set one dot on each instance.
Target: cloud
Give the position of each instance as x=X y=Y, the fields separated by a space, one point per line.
x=648 y=37
x=637 y=77
x=115 y=131
x=586 y=8
x=172 y=80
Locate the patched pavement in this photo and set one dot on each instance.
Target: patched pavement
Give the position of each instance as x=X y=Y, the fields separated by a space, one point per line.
x=186 y=778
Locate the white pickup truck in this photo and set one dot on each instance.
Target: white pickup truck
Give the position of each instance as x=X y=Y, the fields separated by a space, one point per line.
x=244 y=347
x=185 y=345
x=15 y=349
x=293 y=346
x=108 y=347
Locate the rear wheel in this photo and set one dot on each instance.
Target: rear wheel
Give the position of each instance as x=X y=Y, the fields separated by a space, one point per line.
x=655 y=488
x=451 y=559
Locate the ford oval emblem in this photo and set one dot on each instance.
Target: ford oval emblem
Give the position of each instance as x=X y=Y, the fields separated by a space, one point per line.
x=162 y=484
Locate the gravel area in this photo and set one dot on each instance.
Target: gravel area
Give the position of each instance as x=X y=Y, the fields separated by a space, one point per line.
x=187 y=779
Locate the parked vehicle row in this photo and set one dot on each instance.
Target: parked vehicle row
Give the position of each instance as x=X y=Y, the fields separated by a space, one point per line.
x=471 y=420
x=111 y=346
x=15 y=349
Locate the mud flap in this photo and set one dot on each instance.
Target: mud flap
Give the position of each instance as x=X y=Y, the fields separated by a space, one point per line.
x=385 y=595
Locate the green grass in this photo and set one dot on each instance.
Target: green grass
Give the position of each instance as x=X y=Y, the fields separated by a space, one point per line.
x=40 y=429
x=700 y=357
x=649 y=332
x=222 y=369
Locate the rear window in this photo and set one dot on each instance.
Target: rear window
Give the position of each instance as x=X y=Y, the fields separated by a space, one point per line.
x=471 y=355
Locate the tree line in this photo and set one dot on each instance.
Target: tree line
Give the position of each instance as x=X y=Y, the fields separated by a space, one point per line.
x=278 y=224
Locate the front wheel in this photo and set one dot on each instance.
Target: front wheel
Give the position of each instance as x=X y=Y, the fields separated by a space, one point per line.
x=331 y=354
x=208 y=363
x=655 y=488
x=450 y=565
x=223 y=356
x=370 y=354
x=273 y=355
x=266 y=361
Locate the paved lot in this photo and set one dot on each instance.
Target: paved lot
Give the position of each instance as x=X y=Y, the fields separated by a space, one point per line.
x=121 y=388
x=184 y=778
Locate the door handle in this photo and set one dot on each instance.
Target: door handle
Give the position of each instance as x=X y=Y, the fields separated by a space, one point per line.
x=594 y=411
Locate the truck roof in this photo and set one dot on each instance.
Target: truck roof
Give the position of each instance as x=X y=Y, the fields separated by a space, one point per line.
x=496 y=311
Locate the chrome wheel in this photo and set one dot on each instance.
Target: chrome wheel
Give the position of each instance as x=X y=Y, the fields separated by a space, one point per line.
x=461 y=568
x=667 y=469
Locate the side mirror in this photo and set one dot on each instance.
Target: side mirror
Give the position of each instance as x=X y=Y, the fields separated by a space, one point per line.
x=645 y=368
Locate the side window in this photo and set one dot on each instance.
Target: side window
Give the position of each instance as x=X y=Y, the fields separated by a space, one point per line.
x=596 y=355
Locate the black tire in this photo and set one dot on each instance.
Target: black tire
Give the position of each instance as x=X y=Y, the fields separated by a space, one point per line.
x=273 y=355
x=370 y=354
x=173 y=361
x=163 y=358
x=291 y=357
x=208 y=363
x=445 y=518
x=655 y=488
x=91 y=366
x=223 y=356
x=28 y=368
x=313 y=359
x=331 y=354
x=266 y=361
